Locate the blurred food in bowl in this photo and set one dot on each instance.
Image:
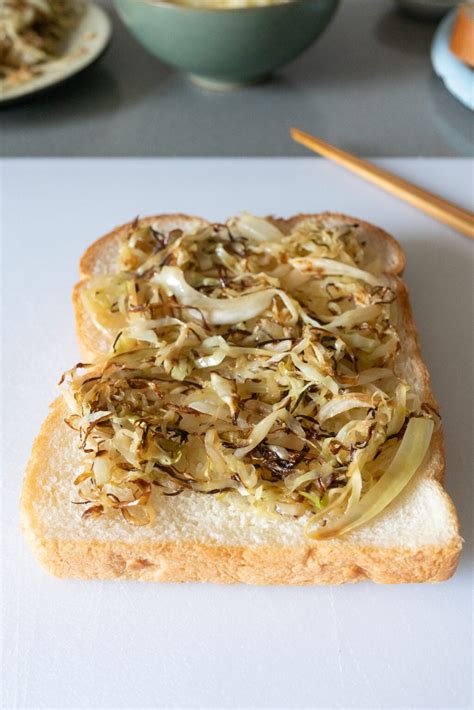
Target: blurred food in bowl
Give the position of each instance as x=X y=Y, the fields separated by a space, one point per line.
x=33 y=32
x=225 y=45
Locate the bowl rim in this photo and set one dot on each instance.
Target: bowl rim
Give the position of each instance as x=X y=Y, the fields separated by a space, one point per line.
x=196 y=8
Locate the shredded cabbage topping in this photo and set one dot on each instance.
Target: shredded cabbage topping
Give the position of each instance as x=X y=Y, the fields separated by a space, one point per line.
x=32 y=32
x=251 y=362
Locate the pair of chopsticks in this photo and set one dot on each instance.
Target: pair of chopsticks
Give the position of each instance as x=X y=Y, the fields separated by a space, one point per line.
x=432 y=205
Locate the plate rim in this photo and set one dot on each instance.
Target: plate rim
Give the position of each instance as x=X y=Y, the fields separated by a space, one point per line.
x=29 y=88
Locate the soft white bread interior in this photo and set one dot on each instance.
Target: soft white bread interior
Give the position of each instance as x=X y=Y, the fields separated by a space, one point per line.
x=200 y=538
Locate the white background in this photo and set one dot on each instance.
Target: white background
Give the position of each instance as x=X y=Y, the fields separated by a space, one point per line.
x=123 y=644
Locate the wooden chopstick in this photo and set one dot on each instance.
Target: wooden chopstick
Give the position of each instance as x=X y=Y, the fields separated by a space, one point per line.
x=434 y=206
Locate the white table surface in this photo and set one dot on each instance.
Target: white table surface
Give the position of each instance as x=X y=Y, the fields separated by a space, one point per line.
x=123 y=644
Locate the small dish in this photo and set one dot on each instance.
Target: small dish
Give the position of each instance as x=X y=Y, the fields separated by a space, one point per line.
x=86 y=44
x=226 y=47
x=457 y=76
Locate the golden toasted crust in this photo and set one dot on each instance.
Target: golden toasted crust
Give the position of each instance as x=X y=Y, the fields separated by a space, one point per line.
x=195 y=562
x=324 y=562
x=95 y=253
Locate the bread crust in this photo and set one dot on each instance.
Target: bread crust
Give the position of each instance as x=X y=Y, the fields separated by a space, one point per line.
x=196 y=562
x=321 y=562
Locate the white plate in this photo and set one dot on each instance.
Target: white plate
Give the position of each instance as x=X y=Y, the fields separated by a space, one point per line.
x=85 y=44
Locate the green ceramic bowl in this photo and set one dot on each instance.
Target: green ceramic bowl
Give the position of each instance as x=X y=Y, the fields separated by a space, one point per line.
x=226 y=47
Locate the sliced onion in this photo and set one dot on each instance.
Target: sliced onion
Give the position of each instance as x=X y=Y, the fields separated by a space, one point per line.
x=209 y=408
x=257 y=228
x=312 y=374
x=217 y=311
x=333 y=268
x=356 y=316
x=401 y=470
x=399 y=411
x=343 y=403
x=296 y=479
x=225 y=390
x=259 y=432
x=360 y=342
x=355 y=483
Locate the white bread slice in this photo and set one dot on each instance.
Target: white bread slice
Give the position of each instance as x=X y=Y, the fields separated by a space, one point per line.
x=200 y=538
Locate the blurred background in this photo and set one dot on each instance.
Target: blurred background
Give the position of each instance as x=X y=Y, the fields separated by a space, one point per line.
x=367 y=84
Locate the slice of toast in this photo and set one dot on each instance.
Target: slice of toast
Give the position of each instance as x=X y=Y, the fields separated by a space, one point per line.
x=200 y=538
